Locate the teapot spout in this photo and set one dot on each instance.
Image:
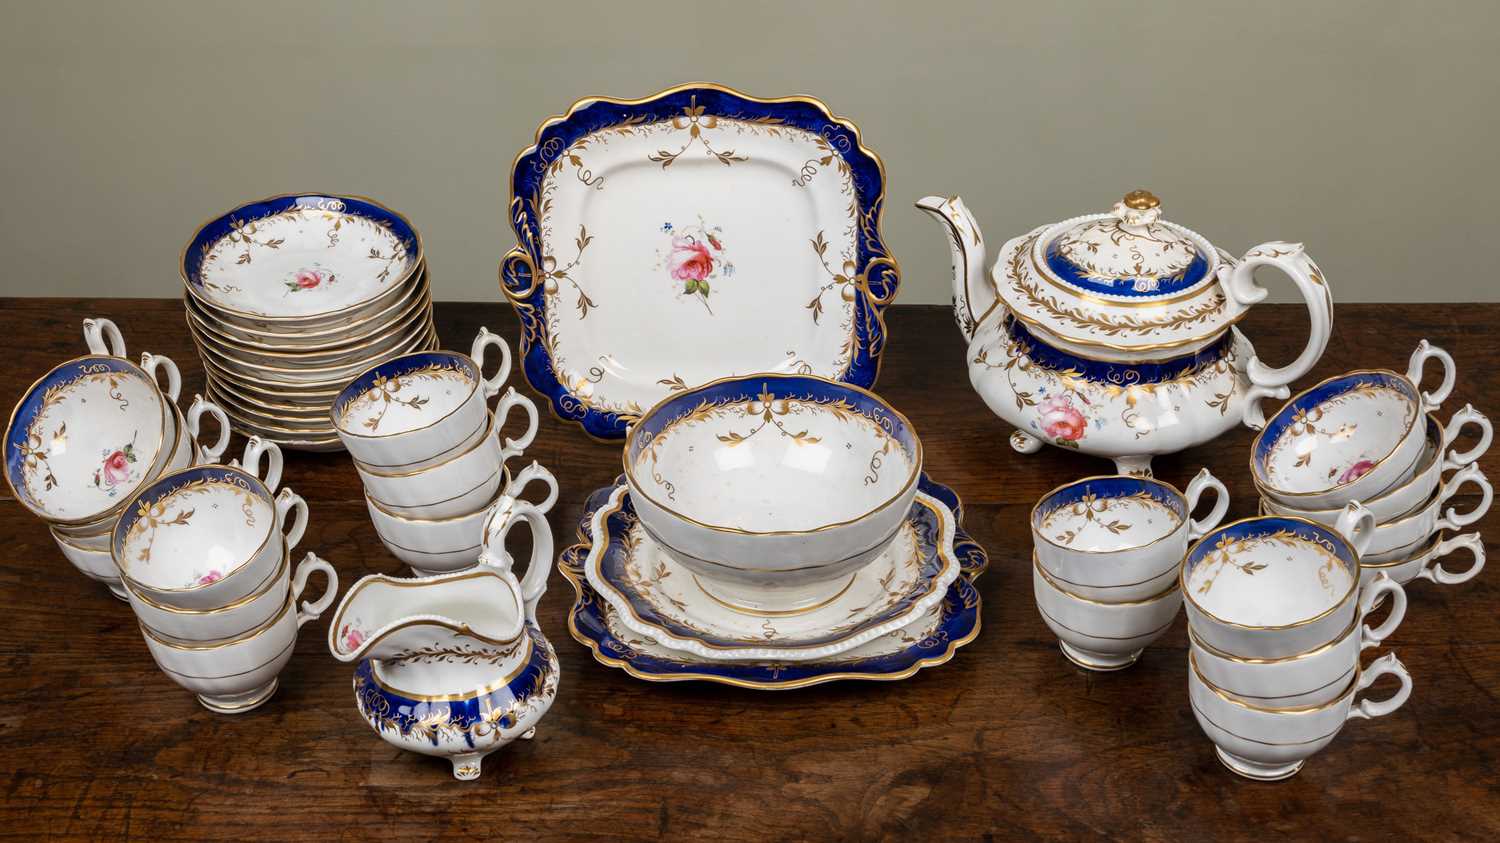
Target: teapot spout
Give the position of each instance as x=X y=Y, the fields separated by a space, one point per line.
x=972 y=292
x=384 y=617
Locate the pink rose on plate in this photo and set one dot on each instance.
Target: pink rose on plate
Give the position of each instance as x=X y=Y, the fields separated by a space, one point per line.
x=690 y=260
x=1061 y=420
x=1356 y=471
x=116 y=468
x=307 y=279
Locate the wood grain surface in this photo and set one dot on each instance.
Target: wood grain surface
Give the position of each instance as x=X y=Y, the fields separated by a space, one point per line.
x=1006 y=741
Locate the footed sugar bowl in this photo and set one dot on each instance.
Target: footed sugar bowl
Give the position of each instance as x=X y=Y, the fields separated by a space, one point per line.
x=1113 y=334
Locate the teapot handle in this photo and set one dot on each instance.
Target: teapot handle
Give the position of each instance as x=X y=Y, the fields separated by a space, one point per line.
x=1239 y=285
x=505 y=515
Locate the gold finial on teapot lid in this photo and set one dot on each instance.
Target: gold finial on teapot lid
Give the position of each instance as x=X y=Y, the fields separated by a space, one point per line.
x=1141 y=200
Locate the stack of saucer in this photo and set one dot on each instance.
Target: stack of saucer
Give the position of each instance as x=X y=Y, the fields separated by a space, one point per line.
x=1371 y=436
x=1276 y=623
x=90 y=433
x=290 y=297
x=1107 y=552
x=430 y=452
x=205 y=557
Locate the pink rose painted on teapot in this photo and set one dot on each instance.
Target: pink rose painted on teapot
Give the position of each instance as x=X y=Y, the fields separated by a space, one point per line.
x=1061 y=420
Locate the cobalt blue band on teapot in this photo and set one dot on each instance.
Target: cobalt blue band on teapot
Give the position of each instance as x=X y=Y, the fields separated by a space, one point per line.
x=1117 y=374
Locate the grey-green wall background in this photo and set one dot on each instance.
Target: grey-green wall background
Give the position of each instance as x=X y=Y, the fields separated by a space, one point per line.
x=1366 y=130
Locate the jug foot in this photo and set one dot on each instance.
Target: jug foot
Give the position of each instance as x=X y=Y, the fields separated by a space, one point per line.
x=528 y=734
x=466 y=767
x=1101 y=662
x=1024 y=443
x=1134 y=466
x=239 y=703
x=1259 y=772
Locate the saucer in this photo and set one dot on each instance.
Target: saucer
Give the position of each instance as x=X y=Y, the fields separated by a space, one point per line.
x=930 y=639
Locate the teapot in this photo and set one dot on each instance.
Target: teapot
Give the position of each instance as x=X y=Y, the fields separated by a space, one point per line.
x=1114 y=334
x=454 y=665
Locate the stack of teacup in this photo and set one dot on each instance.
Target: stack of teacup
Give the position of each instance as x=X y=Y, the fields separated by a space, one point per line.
x=91 y=433
x=1106 y=559
x=1276 y=625
x=205 y=557
x=1371 y=436
x=430 y=453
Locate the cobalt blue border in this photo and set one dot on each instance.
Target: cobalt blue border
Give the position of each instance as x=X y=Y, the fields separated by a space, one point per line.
x=395 y=368
x=559 y=133
x=1265 y=525
x=172 y=482
x=1116 y=374
x=1110 y=487
x=1124 y=286
x=961 y=604
x=404 y=713
x=1309 y=401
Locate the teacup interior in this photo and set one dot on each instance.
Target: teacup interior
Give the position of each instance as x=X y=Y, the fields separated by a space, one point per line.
x=404 y=394
x=1335 y=433
x=774 y=453
x=1109 y=513
x=86 y=436
x=1270 y=572
x=194 y=528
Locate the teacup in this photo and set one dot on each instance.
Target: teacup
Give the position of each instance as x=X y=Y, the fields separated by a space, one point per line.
x=235 y=675
x=1098 y=635
x=1437 y=458
x=1428 y=519
x=1311 y=678
x=91 y=562
x=433 y=546
x=241 y=616
x=1270 y=744
x=1423 y=562
x=415 y=410
x=205 y=536
x=1276 y=586
x=1351 y=437
x=772 y=488
x=461 y=483
x=1120 y=537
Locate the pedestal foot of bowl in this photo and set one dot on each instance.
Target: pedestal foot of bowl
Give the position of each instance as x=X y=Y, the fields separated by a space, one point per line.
x=1098 y=661
x=239 y=703
x=1258 y=772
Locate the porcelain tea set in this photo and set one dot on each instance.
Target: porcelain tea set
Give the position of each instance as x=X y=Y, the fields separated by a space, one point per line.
x=773 y=526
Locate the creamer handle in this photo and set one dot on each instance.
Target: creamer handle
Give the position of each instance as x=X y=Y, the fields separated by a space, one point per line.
x=103 y=337
x=1239 y=285
x=506 y=514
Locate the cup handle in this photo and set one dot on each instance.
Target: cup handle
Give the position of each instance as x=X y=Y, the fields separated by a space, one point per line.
x=511 y=398
x=194 y=419
x=1197 y=528
x=255 y=448
x=1427 y=351
x=103 y=337
x=1373 y=591
x=1435 y=572
x=484 y=340
x=311 y=611
x=1357 y=524
x=1466 y=416
x=535 y=471
x=1238 y=281
x=1453 y=519
x=497 y=526
x=1386 y=664
x=153 y=363
x=290 y=500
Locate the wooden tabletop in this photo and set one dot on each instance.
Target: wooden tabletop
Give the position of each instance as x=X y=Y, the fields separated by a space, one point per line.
x=1008 y=739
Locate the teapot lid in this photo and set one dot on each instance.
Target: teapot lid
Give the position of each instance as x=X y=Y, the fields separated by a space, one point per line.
x=1126 y=279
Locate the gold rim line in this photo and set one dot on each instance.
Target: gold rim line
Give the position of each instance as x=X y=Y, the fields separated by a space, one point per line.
x=1036 y=565
x=1239 y=736
x=486 y=690
x=419 y=258
x=1268 y=702
x=479 y=572
x=634 y=432
x=1205 y=284
x=1437 y=455
x=460 y=444
x=1063 y=584
x=403 y=348
x=479 y=379
x=949 y=558
x=1431 y=545
x=502 y=471
x=489 y=428
x=183 y=646
x=1352 y=628
x=1048 y=616
x=889 y=537
x=213 y=704
x=262 y=590
x=1292 y=710
x=1265 y=484
x=408 y=334
x=279 y=654
x=10 y=425
x=499 y=493
x=275 y=528
x=862 y=282
x=1337 y=536
x=770 y=613
x=1186 y=517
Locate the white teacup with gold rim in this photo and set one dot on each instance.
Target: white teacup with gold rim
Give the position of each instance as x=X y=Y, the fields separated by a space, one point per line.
x=1270 y=744
x=1422 y=563
x=1097 y=635
x=205 y=536
x=1351 y=437
x=1120 y=537
x=240 y=616
x=1430 y=517
x=1311 y=678
x=1275 y=586
x=417 y=409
